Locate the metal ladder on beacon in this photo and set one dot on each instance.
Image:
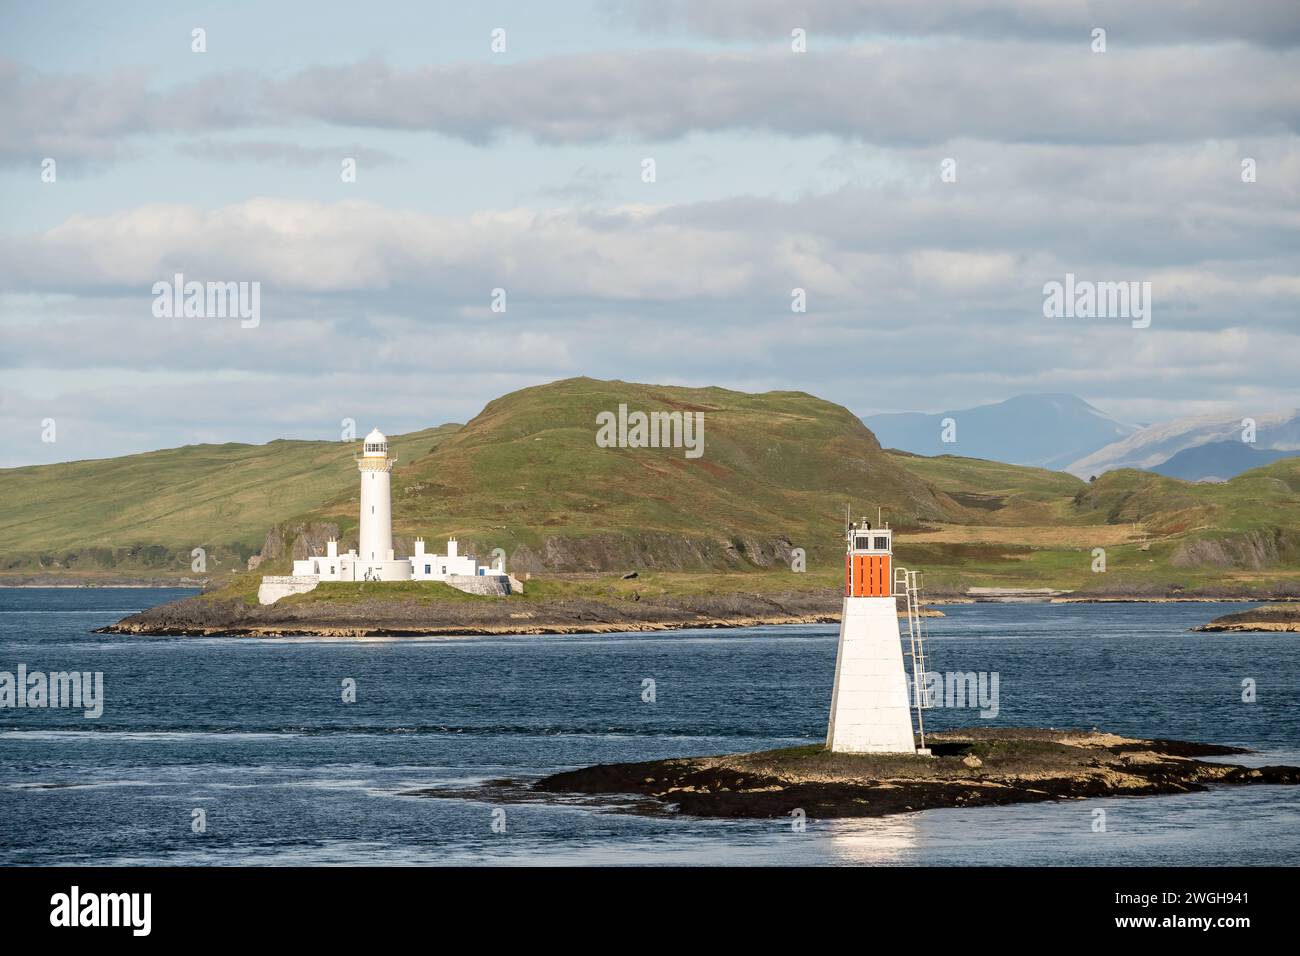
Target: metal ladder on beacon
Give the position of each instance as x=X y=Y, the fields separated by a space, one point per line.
x=910 y=583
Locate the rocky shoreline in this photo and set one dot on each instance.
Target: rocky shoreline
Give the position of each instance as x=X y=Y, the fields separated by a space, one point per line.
x=208 y=615
x=975 y=767
x=203 y=617
x=1270 y=617
x=453 y=630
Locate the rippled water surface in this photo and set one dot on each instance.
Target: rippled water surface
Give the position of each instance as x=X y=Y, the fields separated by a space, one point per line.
x=255 y=733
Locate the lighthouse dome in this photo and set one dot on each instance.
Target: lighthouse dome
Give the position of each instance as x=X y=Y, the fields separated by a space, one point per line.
x=376 y=444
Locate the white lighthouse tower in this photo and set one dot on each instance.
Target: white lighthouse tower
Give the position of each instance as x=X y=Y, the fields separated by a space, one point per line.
x=375 y=536
x=375 y=533
x=869 y=705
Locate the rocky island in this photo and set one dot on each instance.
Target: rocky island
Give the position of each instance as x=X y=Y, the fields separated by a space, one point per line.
x=408 y=609
x=1268 y=617
x=976 y=767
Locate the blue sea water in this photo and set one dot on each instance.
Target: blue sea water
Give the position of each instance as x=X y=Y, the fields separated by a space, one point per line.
x=256 y=734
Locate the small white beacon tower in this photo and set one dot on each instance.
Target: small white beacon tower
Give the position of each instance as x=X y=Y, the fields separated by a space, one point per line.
x=870 y=712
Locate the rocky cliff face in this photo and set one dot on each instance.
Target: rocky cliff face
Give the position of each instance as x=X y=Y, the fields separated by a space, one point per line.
x=650 y=551
x=647 y=551
x=299 y=540
x=1253 y=550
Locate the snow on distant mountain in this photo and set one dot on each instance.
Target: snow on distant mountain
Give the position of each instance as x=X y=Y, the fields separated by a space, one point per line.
x=1157 y=444
x=1048 y=431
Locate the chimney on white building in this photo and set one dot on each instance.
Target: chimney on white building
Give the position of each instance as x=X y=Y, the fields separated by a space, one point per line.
x=452 y=547
x=331 y=548
x=419 y=547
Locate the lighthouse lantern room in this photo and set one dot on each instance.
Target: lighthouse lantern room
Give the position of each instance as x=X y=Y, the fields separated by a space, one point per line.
x=869 y=703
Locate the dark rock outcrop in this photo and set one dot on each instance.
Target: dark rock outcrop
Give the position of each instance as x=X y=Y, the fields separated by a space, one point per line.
x=1270 y=617
x=976 y=767
x=518 y=614
x=298 y=540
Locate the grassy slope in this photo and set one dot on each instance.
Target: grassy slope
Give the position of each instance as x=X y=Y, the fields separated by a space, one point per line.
x=1160 y=535
x=527 y=476
x=150 y=510
x=996 y=493
x=1018 y=527
x=1262 y=498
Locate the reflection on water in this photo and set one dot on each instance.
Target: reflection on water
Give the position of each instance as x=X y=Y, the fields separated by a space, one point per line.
x=874 y=842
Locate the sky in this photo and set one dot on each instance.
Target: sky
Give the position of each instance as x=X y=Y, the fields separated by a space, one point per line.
x=919 y=171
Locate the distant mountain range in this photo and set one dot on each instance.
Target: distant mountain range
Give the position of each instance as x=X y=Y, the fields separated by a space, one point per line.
x=1047 y=431
x=1065 y=433
x=1217 y=461
x=1155 y=447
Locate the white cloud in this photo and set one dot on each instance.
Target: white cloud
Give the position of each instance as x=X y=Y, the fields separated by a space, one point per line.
x=1265 y=22
x=875 y=92
x=1122 y=166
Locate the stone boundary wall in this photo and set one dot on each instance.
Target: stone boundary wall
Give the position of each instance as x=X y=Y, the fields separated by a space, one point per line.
x=276 y=586
x=488 y=585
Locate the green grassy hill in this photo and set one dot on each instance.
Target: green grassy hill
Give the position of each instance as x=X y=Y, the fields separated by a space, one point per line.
x=1263 y=498
x=148 y=511
x=1160 y=536
x=996 y=493
x=526 y=475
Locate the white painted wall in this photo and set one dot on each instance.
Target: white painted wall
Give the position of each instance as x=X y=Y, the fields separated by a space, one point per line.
x=276 y=586
x=375 y=535
x=439 y=567
x=869 y=704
